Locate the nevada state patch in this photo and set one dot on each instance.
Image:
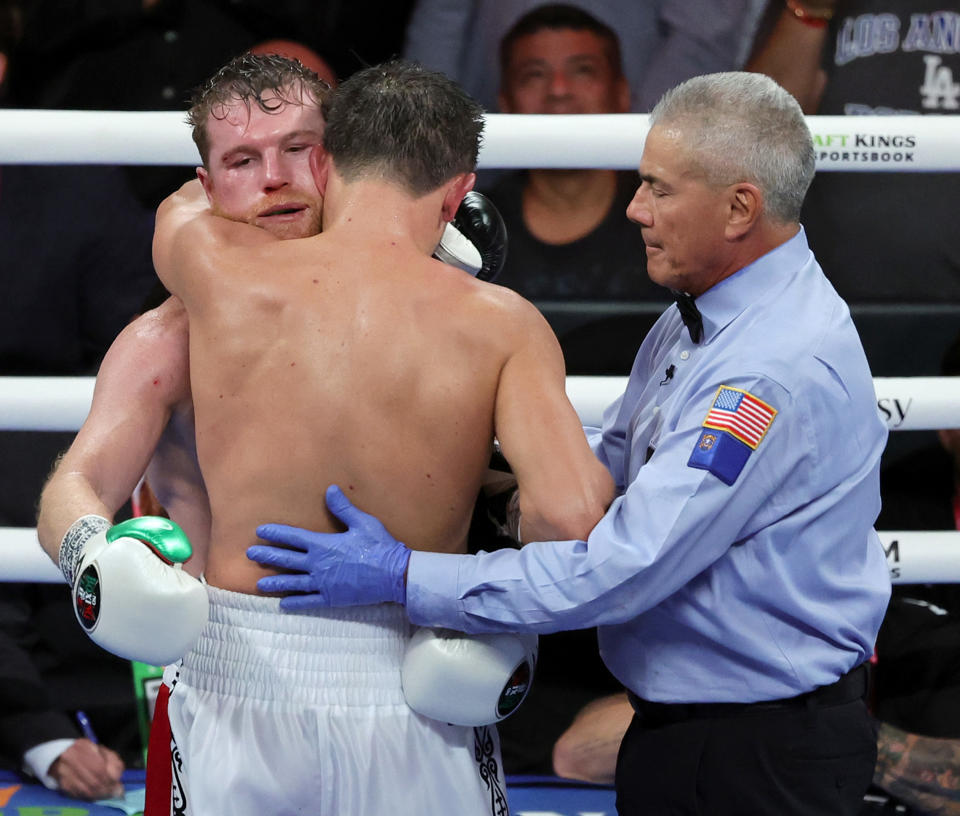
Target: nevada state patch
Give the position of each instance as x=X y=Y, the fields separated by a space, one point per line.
x=734 y=427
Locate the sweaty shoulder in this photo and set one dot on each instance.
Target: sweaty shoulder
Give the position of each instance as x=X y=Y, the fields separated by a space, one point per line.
x=152 y=353
x=507 y=314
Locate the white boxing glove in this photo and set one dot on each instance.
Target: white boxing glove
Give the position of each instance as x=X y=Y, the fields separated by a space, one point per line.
x=455 y=249
x=467 y=679
x=130 y=593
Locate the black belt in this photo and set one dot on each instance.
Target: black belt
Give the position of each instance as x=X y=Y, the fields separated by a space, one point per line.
x=852 y=686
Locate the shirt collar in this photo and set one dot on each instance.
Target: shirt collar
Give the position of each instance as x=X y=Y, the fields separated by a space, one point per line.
x=725 y=301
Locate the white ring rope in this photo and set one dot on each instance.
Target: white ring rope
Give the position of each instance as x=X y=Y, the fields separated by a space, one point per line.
x=23 y=558
x=62 y=403
x=44 y=403
x=905 y=403
x=867 y=143
x=913 y=557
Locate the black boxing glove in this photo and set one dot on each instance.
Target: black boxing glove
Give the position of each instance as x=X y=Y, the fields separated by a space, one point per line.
x=476 y=239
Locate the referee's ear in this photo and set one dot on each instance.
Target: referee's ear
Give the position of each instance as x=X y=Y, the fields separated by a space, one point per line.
x=745 y=207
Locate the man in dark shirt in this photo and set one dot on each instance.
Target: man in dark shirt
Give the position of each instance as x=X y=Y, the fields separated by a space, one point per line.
x=569 y=239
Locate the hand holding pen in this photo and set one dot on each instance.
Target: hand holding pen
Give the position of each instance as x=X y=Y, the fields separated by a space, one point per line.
x=88 y=770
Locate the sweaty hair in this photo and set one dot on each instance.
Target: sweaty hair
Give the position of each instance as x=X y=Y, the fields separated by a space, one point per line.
x=559 y=17
x=266 y=80
x=742 y=126
x=413 y=127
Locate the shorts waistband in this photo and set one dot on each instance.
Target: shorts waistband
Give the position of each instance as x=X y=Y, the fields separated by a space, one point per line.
x=851 y=686
x=346 y=656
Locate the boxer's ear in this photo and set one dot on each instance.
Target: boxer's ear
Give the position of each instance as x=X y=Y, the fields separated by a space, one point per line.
x=206 y=182
x=458 y=187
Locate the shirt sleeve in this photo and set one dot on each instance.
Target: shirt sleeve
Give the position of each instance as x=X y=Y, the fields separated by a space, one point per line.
x=672 y=522
x=608 y=442
x=40 y=758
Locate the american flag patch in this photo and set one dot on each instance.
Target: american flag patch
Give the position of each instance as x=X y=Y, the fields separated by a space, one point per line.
x=740 y=414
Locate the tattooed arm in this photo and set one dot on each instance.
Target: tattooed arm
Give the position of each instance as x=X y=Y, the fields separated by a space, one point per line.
x=923 y=772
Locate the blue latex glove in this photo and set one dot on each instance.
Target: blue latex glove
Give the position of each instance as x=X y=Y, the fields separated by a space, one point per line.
x=364 y=565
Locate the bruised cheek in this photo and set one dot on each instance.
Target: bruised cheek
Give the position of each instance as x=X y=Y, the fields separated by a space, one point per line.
x=304 y=180
x=234 y=199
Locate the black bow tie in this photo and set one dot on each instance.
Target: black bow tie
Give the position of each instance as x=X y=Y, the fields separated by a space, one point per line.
x=692 y=318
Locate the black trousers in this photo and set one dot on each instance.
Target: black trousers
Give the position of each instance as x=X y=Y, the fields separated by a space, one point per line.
x=808 y=756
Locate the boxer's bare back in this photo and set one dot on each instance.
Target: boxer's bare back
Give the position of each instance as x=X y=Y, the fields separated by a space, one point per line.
x=353 y=358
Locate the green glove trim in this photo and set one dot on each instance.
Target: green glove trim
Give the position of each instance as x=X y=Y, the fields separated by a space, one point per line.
x=166 y=537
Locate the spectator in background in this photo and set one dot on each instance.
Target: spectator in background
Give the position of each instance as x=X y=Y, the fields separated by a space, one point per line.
x=75 y=249
x=882 y=237
x=917 y=679
x=48 y=671
x=568 y=235
x=307 y=57
x=665 y=41
x=587 y=750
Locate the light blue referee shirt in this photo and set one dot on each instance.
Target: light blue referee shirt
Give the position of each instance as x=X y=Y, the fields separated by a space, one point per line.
x=739 y=561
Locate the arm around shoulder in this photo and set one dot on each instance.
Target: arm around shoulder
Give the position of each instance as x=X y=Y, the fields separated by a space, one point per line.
x=174 y=213
x=193 y=247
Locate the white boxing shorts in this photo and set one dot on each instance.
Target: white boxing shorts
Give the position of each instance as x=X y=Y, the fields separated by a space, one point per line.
x=277 y=713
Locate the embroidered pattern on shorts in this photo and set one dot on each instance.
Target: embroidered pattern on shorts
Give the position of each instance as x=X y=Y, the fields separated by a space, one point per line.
x=178 y=796
x=483 y=747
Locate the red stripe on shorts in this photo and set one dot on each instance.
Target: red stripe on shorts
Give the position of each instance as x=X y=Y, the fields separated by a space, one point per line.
x=159 y=760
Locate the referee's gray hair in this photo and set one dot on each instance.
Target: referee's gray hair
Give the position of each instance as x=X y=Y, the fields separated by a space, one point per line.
x=743 y=126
